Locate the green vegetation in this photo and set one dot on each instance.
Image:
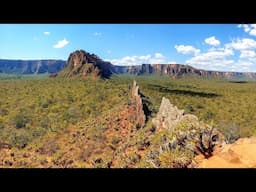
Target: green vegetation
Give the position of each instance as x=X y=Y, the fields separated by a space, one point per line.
x=4 y=76
x=31 y=108
x=70 y=119
x=213 y=101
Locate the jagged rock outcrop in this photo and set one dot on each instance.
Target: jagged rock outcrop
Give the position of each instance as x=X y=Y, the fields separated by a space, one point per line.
x=137 y=102
x=241 y=154
x=186 y=130
x=30 y=66
x=83 y=64
x=168 y=115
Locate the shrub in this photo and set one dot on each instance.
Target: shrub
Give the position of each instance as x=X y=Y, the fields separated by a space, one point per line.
x=189 y=109
x=20 y=120
x=45 y=102
x=208 y=115
x=176 y=158
x=231 y=131
x=20 y=140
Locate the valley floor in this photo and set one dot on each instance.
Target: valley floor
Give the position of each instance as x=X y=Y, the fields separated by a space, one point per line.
x=56 y=122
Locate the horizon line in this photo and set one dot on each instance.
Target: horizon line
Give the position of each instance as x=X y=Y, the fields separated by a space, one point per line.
x=136 y=64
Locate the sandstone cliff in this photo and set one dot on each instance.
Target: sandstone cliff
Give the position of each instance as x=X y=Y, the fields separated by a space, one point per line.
x=83 y=64
x=179 y=70
x=30 y=66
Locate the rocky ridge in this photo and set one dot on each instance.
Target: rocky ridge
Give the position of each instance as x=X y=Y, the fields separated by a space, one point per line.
x=138 y=105
x=183 y=135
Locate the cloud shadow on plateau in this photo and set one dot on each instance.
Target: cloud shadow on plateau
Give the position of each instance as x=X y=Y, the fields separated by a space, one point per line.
x=241 y=82
x=183 y=92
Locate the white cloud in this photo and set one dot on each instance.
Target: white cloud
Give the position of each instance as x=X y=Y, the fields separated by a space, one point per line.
x=145 y=57
x=157 y=58
x=97 y=34
x=253 y=32
x=171 y=62
x=247 y=54
x=242 y=44
x=219 y=60
x=237 y=55
x=47 y=33
x=212 y=41
x=244 y=63
x=248 y=28
x=61 y=43
x=212 y=59
x=186 y=49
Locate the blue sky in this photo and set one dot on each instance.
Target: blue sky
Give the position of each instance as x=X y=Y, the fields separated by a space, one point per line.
x=224 y=47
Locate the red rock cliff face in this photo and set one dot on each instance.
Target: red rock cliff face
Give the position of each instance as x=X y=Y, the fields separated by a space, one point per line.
x=78 y=57
x=81 y=57
x=178 y=70
x=81 y=63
